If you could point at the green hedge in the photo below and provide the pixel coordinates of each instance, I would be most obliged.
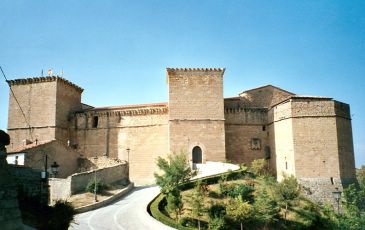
(158, 204)
(155, 208)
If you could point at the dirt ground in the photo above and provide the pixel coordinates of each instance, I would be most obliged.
(86, 198)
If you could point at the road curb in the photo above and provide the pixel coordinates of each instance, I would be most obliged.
(105, 202)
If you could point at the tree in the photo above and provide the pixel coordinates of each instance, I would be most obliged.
(216, 213)
(197, 201)
(174, 203)
(266, 209)
(259, 167)
(287, 191)
(176, 170)
(240, 211)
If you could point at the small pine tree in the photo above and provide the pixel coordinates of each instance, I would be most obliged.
(240, 211)
(175, 169)
(174, 203)
(287, 191)
(197, 201)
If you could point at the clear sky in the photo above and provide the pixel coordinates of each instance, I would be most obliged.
(118, 50)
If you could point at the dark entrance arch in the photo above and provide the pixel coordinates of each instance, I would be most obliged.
(197, 155)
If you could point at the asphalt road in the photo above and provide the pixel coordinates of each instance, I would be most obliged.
(129, 213)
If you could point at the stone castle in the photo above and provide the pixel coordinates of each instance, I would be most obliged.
(306, 136)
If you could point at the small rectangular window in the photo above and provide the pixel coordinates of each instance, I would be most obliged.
(264, 128)
(95, 121)
(255, 144)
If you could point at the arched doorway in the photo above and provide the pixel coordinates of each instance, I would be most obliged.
(197, 155)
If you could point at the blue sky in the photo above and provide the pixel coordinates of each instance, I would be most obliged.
(118, 50)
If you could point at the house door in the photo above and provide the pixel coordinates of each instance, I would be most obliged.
(197, 155)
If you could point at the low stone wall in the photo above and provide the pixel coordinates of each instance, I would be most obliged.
(28, 181)
(106, 201)
(320, 189)
(61, 189)
(106, 175)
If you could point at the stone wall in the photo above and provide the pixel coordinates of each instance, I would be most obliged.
(65, 156)
(208, 135)
(28, 181)
(195, 94)
(46, 103)
(284, 145)
(10, 216)
(59, 189)
(196, 112)
(146, 135)
(64, 188)
(320, 189)
(263, 97)
(38, 104)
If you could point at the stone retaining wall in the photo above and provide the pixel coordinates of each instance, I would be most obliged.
(61, 189)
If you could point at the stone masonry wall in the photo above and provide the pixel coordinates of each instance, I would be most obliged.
(38, 104)
(284, 145)
(65, 156)
(263, 97)
(68, 101)
(145, 135)
(195, 94)
(208, 135)
(242, 126)
(46, 103)
(196, 112)
(106, 175)
(62, 189)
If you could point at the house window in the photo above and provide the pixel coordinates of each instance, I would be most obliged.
(264, 128)
(255, 144)
(95, 121)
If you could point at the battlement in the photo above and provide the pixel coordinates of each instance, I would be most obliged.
(34, 80)
(128, 110)
(172, 70)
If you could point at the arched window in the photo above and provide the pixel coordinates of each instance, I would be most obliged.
(197, 155)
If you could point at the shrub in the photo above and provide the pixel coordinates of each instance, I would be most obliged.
(91, 186)
(259, 167)
(238, 191)
(62, 215)
(217, 223)
(216, 210)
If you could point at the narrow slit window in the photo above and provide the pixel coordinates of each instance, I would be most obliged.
(286, 165)
(95, 121)
(332, 181)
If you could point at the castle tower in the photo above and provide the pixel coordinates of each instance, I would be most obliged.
(313, 141)
(45, 103)
(196, 113)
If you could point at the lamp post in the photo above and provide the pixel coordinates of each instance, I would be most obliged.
(337, 196)
(128, 150)
(95, 197)
(44, 177)
(54, 168)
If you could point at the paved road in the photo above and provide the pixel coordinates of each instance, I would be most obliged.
(129, 213)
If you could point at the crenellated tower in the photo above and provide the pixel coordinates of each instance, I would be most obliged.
(45, 106)
(196, 113)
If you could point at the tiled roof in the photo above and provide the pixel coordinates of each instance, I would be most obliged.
(29, 146)
(266, 86)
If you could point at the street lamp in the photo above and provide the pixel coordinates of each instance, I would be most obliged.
(128, 150)
(337, 196)
(54, 168)
(95, 197)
